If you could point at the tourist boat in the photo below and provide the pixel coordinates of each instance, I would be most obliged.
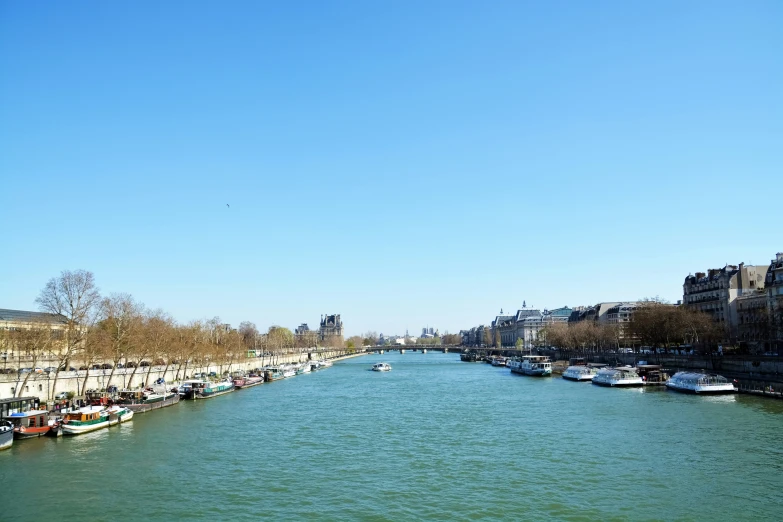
(208, 389)
(381, 367)
(6, 434)
(700, 383)
(623, 376)
(33, 423)
(247, 381)
(534, 365)
(582, 372)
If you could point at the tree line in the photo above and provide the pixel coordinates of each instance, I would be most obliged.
(104, 332)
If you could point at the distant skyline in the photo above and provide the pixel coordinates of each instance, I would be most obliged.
(405, 164)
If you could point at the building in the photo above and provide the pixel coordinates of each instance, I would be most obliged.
(715, 293)
(621, 315)
(773, 285)
(15, 320)
(753, 325)
(331, 327)
(429, 333)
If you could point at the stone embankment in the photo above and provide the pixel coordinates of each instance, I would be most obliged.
(42, 385)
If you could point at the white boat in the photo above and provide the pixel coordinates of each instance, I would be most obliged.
(499, 361)
(700, 383)
(325, 363)
(92, 418)
(424, 350)
(623, 376)
(6, 434)
(535, 365)
(402, 350)
(582, 372)
(381, 367)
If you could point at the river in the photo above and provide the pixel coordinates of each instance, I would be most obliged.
(434, 439)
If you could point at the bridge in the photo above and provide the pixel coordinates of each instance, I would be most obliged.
(410, 348)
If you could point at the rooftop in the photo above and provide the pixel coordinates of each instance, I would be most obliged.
(22, 316)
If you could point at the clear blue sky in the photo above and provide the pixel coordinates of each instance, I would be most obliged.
(401, 163)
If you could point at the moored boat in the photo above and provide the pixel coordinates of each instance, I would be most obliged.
(6, 434)
(208, 389)
(85, 420)
(534, 365)
(381, 367)
(247, 381)
(700, 383)
(272, 373)
(582, 372)
(621, 377)
(31, 424)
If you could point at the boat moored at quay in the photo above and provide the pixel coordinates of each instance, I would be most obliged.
(242, 381)
(92, 418)
(6, 434)
(583, 372)
(621, 377)
(32, 424)
(200, 389)
(700, 383)
(533, 365)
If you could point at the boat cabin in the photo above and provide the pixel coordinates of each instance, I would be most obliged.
(29, 419)
(90, 413)
(17, 405)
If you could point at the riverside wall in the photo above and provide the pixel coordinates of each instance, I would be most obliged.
(42, 385)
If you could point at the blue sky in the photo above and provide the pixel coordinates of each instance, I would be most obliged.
(401, 163)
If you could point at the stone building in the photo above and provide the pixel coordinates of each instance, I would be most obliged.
(715, 293)
(331, 327)
(14, 320)
(774, 290)
(753, 327)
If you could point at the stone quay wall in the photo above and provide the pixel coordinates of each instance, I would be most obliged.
(42, 385)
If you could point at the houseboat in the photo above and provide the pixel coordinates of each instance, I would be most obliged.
(33, 423)
(621, 377)
(6, 434)
(92, 418)
(242, 381)
(499, 361)
(582, 372)
(381, 367)
(700, 383)
(272, 373)
(207, 389)
(535, 365)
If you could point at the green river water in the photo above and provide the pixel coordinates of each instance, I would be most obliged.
(434, 439)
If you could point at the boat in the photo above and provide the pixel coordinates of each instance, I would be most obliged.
(652, 374)
(402, 350)
(242, 381)
(700, 383)
(208, 389)
(33, 423)
(381, 367)
(140, 401)
(6, 434)
(287, 370)
(424, 350)
(499, 361)
(623, 376)
(582, 372)
(534, 365)
(92, 418)
(325, 363)
(272, 373)
(306, 367)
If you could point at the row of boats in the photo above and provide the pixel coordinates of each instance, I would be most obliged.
(113, 407)
(701, 383)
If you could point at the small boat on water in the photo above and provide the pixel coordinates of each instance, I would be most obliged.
(533, 365)
(499, 361)
(242, 381)
(92, 418)
(381, 367)
(288, 370)
(581, 372)
(33, 423)
(424, 350)
(6, 434)
(700, 383)
(620, 377)
(199, 389)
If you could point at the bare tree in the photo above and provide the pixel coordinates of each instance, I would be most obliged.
(121, 318)
(74, 296)
(34, 342)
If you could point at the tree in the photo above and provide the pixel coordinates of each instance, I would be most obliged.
(157, 337)
(34, 342)
(121, 318)
(74, 296)
(487, 337)
(353, 343)
(498, 342)
(519, 344)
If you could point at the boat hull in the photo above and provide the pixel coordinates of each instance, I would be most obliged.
(618, 384)
(209, 395)
(703, 390)
(71, 429)
(31, 433)
(578, 379)
(6, 439)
